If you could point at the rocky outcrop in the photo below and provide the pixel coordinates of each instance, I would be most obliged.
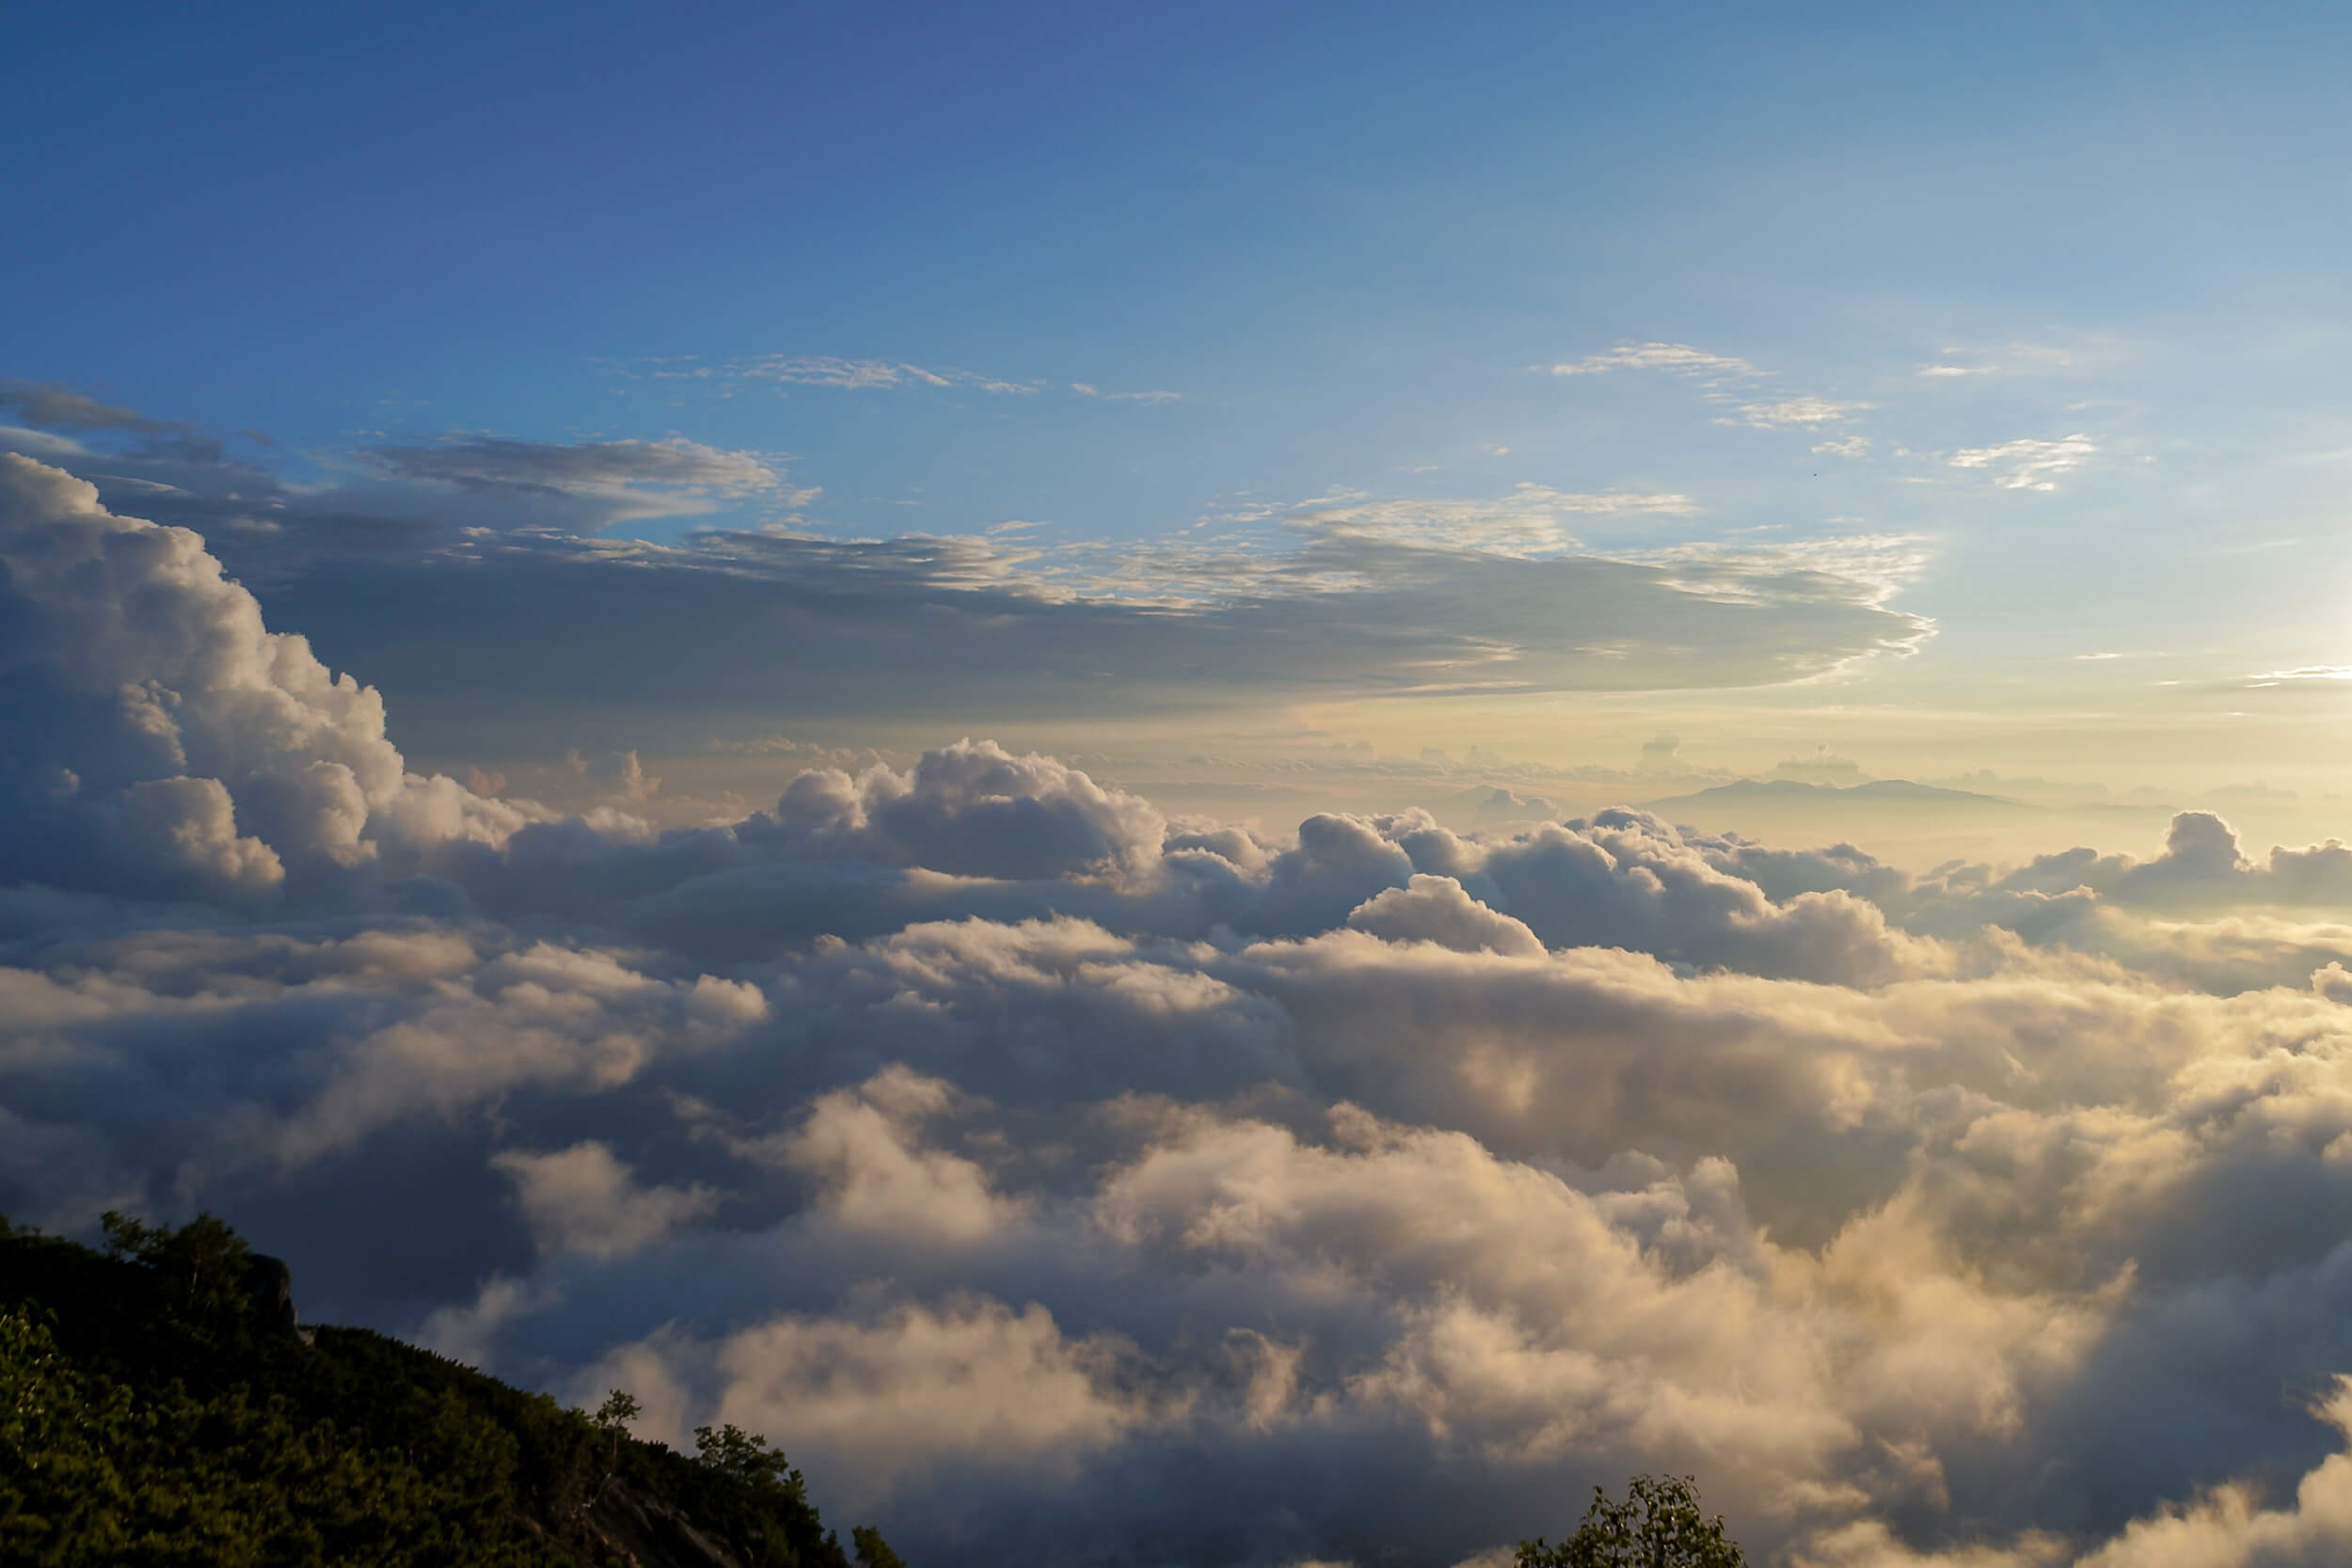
(271, 1288)
(641, 1528)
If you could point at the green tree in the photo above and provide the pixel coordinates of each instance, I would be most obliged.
(746, 1456)
(872, 1551)
(1659, 1525)
(206, 1265)
(619, 1408)
(613, 1416)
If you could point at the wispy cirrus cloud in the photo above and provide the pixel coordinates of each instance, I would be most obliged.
(820, 370)
(1086, 390)
(1864, 568)
(1800, 411)
(2016, 358)
(2027, 463)
(53, 407)
(396, 492)
(856, 374)
(1679, 358)
(59, 407)
(1528, 521)
(1725, 377)
(590, 485)
(591, 467)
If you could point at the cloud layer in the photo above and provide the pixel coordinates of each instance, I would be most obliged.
(508, 550)
(1054, 1179)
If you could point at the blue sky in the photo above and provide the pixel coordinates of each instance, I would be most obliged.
(1155, 276)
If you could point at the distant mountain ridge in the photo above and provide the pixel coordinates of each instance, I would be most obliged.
(1797, 792)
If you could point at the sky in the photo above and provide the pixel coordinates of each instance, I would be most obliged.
(1226, 784)
(2021, 327)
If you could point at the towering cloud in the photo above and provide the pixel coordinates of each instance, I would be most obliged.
(160, 739)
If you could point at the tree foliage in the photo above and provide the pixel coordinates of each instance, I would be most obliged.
(747, 1458)
(150, 1416)
(872, 1551)
(1657, 1525)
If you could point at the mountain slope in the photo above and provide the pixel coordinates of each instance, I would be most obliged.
(157, 1406)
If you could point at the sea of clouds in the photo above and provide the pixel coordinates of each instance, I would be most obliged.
(1060, 1182)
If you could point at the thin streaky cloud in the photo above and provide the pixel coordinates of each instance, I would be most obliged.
(1679, 358)
(1873, 568)
(57, 407)
(824, 370)
(1527, 522)
(873, 374)
(1086, 390)
(41, 443)
(1798, 411)
(53, 407)
(596, 467)
(1717, 372)
(2027, 463)
(2012, 359)
(827, 371)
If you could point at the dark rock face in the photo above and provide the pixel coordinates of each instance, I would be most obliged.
(272, 1291)
(642, 1529)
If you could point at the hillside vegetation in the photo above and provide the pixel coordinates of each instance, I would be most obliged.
(158, 1405)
